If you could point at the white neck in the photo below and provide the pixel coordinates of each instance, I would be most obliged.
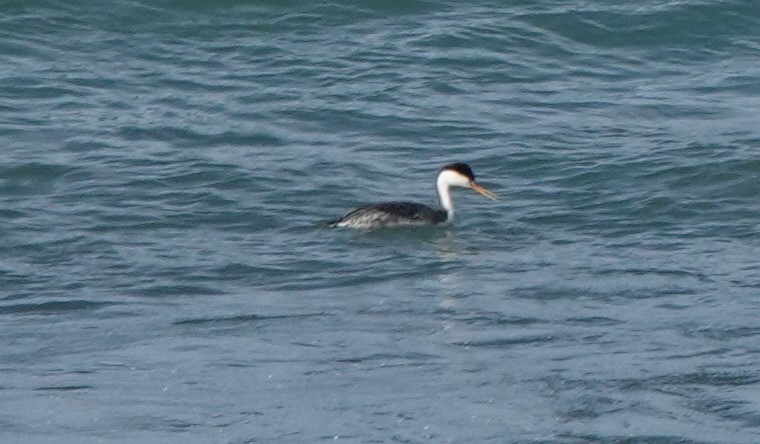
(443, 185)
(444, 195)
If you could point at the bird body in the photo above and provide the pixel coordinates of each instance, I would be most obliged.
(395, 214)
(391, 214)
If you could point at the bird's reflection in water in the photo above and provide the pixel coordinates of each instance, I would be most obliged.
(450, 249)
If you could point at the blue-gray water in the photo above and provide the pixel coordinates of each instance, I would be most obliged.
(165, 168)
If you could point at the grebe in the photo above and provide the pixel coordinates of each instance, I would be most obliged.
(394, 214)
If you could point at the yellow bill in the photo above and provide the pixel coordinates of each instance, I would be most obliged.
(478, 189)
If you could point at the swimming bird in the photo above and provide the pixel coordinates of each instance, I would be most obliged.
(394, 214)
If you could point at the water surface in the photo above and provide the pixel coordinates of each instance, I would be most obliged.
(166, 168)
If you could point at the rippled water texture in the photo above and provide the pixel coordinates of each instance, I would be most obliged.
(166, 168)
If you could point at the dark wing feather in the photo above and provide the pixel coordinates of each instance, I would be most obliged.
(389, 214)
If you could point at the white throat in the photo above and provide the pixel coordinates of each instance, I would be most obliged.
(447, 179)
